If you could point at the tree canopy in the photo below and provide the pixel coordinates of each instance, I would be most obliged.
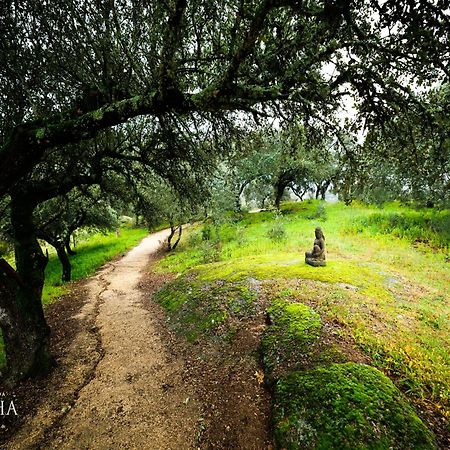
(70, 69)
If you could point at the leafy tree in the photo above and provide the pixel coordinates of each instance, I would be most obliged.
(57, 219)
(285, 159)
(187, 65)
(249, 162)
(405, 158)
(160, 204)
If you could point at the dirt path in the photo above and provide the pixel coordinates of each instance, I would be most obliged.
(129, 391)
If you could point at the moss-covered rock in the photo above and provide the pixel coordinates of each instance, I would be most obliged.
(289, 341)
(345, 406)
(195, 308)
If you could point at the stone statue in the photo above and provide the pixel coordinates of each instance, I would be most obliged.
(316, 258)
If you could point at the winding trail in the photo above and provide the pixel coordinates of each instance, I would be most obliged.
(133, 396)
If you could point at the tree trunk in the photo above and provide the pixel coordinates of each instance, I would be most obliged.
(171, 235)
(324, 188)
(279, 191)
(65, 262)
(68, 248)
(263, 202)
(238, 196)
(317, 191)
(237, 203)
(26, 334)
(180, 230)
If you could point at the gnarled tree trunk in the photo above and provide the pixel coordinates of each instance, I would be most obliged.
(25, 331)
(173, 230)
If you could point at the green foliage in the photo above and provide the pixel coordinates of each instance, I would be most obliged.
(320, 213)
(5, 248)
(277, 232)
(345, 406)
(210, 251)
(406, 158)
(240, 235)
(430, 227)
(273, 161)
(207, 232)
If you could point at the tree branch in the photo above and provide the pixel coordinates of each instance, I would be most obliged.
(172, 43)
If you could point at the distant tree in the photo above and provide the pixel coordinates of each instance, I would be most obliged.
(57, 219)
(406, 158)
(250, 162)
(160, 205)
(286, 159)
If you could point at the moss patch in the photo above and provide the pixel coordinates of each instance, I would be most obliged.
(345, 406)
(290, 340)
(40, 133)
(196, 308)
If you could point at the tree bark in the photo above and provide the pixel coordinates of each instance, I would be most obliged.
(279, 191)
(65, 262)
(173, 230)
(68, 248)
(238, 195)
(324, 188)
(26, 334)
(180, 230)
(318, 191)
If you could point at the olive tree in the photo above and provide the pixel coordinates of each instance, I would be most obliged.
(91, 66)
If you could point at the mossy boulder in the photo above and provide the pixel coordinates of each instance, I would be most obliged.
(345, 406)
(196, 308)
(289, 341)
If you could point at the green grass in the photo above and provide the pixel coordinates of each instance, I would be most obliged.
(427, 227)
(92, 253)
(389, 289)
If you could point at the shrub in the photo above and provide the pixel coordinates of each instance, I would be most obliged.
(194, 238)
(277, 232)
(207, 232)
(240, 235)
(319, 213)
(429, 227)
(210, 251)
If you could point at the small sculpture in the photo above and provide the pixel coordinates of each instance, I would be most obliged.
(316, 258)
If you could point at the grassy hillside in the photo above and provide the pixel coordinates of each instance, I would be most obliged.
(385, 287)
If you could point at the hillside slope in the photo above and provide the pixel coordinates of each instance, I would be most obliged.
(375, 318)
